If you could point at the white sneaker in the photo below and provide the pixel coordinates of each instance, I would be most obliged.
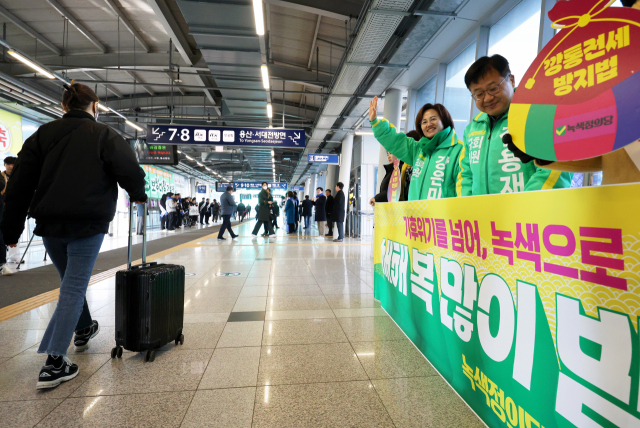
(254, 235)
(272, 234)
(6, 270)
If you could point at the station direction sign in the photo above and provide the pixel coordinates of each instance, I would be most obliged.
(208, 135)
(326, 159)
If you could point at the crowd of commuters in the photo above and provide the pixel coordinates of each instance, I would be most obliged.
(176, 212)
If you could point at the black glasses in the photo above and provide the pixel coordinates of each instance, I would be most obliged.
(493, 90)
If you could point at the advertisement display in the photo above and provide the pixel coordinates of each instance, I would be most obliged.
(155, 154)
(529, 313)
(326, 159)
(10, 134)
(208, 135)
(157, 182)
(222, 187)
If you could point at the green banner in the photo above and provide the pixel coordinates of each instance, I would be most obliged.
(157, 182)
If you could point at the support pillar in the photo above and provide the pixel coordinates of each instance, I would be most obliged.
(392, 112)
(344, 173)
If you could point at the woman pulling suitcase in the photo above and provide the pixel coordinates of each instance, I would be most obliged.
(70, 159)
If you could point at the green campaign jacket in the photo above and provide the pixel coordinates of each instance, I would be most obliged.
(435, 162)
(488, 166)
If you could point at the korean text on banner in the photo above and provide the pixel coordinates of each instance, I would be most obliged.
(527, 303)
(10, 134)
(157, 182)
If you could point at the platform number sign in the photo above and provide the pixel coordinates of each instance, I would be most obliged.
(202, 135)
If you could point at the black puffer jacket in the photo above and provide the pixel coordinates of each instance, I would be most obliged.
(70, 187)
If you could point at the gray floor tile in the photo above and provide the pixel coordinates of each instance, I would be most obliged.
(248, 304)
(292, 280)
(309, 363)
(295, 303)
(302, 331)
(257, 281)
(197, 336)
(424, 402)
(254, 291)
(206, 317)
(222, 408)
(238, 334)
(358, 287)
(32, 324)
(139, 410)
(246, 316)
(294, 290)
(195, 305)
(292, 315)
(319, 405)
(360, 312)
(171, 371)
(391, 359)
(367, 329)
(18, 414)
(12, 342)
(232, 368)
(347, 301)
(19, 376)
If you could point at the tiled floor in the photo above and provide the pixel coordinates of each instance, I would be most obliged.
(278, 334)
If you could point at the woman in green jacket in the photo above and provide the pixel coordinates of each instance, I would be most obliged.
(434, 158)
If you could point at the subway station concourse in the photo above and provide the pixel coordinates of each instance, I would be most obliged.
(375, 301)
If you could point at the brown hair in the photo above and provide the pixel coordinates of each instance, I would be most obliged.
(444, 114)
(290, 194)
(78, 96)
(415, 134)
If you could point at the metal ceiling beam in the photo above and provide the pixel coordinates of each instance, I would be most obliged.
(136, 78)
(315, 7)
(94, 78)
(27, 29)
(170, 25)
(65, 13)
(313, 44)
(118, 12)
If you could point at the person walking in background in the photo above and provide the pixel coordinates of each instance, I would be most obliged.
(297, 202)
(202, 209)
(320, 202)
(163, 212)
(46, 182)
(171, 212)
(214, 211)
(248, 210)
(257, 210)
(290, 212)
(241, 211)
(227, 205)
(4, 181)
(207, 212)
(276, 213)
(140, 222)
(307, 211)
(339, 207)
(264, 212)
(329, 210)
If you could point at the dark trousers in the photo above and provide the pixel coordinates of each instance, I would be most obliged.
(330, 226)
(171, 220)
(226, 224)
(206, 218)
(163, 222)
(267, 227)
(275, 222)
(3, 249)
(340, 226)
(202, 217)
(291, 227)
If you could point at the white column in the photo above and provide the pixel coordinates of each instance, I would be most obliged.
(345, 172)
(392, 112)
(312, 188)
(331, 179)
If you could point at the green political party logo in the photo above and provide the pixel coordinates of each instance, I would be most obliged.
(561, 130)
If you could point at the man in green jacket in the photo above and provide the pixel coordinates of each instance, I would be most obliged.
(487, 165)
(434, 158)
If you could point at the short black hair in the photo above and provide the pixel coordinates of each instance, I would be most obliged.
(264, 182)
(328, 190)
(229, 188)
(10, 160)
(484, 65)
(306, 196)
(320, 188)
(340, 184)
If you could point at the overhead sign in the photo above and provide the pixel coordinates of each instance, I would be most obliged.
(328, 159)
(222, 187)
(155, 154)
(205, 135)
(202, 188)
(581, 95)
(297, 188)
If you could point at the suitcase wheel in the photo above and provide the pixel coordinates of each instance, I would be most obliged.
(116, 352)
(150, 356)
(180, 339)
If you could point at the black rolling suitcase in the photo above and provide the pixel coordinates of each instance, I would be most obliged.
(149, 303)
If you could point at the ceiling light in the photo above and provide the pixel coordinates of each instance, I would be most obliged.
(199, 164)
(31, 64)
(103, 107)
(134, 126)
(269, 111)
(188, 157)
(179, 151)
(272, 153)
(265, 76)
(364, 133)
(257, 14)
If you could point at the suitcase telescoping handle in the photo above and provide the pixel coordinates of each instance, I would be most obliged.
(144, 235)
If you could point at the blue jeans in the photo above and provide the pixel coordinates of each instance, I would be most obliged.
(74, 259)
(307, 221)
(340, 225)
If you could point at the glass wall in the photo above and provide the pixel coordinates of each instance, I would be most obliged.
(515, 36)
(426, 94)
(457, 98)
